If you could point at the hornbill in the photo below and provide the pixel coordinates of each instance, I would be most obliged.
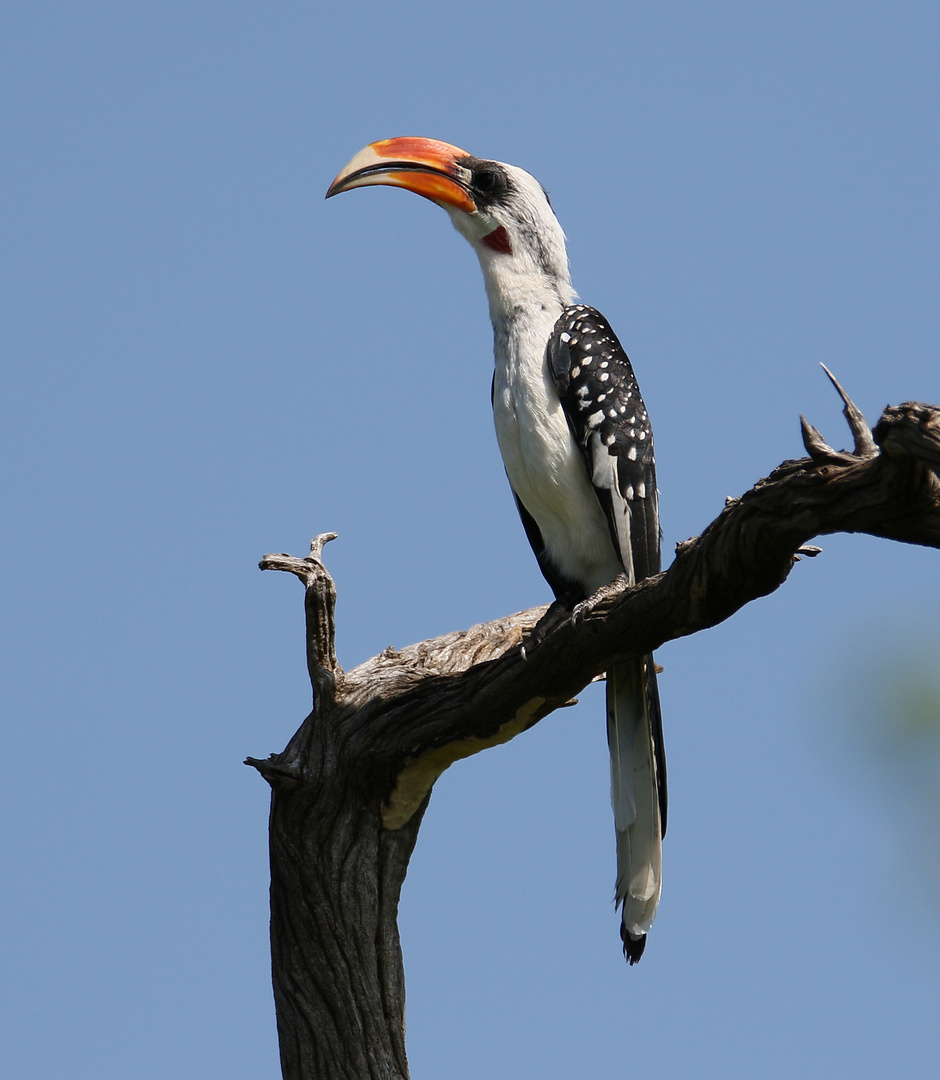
(577, 446)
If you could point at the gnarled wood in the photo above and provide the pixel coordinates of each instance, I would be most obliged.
(349, 791)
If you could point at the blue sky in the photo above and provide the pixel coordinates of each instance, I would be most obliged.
(204, 361)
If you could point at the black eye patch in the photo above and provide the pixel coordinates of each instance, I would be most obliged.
(484, 180)
(489, 183)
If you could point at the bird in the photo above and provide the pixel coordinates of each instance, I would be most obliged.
(577, 446)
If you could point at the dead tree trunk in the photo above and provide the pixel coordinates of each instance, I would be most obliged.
(349, 791)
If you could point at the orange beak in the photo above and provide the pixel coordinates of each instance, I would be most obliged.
(425, 166)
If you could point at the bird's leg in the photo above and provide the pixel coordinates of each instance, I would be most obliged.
(557, 614)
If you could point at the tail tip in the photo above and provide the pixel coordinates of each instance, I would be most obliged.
(632, 946)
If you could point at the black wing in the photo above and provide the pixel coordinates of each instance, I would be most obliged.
(606, 414)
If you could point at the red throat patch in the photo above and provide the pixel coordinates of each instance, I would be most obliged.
(498, 240)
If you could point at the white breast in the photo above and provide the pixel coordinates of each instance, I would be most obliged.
(545, 467)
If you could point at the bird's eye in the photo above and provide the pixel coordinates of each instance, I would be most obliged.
(484, 181)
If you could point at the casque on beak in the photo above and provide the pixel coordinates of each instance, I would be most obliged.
(425, 166)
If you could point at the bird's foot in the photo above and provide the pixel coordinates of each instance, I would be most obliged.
(581, 611)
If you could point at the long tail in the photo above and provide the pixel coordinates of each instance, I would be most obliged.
(637, 794)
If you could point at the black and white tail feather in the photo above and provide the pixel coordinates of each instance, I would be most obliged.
(637, 794)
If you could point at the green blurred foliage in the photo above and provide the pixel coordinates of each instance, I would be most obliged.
(885, 697)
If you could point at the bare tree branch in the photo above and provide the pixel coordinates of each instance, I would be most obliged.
(349, 791)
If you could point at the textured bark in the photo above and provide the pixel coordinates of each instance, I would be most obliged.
(349, 791)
